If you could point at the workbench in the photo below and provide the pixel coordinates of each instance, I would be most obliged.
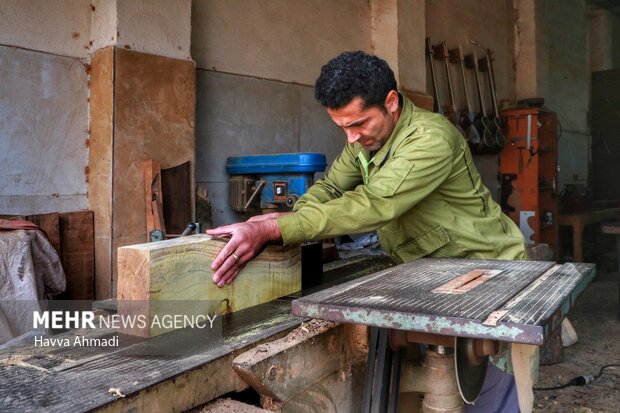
(579, 221)
(76, 379)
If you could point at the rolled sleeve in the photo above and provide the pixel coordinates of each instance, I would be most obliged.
(290, 229)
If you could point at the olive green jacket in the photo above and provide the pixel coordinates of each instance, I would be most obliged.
(421, 192)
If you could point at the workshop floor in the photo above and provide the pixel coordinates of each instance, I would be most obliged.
(595, 318)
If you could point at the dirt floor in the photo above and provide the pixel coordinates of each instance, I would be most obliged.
(595, 318)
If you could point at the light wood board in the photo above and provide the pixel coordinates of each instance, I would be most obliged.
(179, 270)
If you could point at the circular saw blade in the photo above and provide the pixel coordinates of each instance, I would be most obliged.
(470, 370)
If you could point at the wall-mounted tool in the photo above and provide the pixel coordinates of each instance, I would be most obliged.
(271, 181)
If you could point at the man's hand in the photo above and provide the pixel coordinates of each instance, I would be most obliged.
(247, 240)
(271, 215)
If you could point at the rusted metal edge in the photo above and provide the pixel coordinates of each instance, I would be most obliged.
(451, 326)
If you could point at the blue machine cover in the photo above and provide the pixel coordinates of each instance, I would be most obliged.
(279, 163)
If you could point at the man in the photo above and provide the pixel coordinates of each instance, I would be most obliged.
(404, 172)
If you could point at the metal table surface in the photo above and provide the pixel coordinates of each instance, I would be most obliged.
(515, 301)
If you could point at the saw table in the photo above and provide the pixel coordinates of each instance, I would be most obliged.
(435, 301)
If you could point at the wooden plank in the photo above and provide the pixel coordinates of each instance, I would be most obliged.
(150, 383)
(78, 254)
(177, 197)
(100, 165)
(50, 223)
(179, 269)
(420, 99)
(153, 197)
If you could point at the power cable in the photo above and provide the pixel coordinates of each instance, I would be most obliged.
(578, 381)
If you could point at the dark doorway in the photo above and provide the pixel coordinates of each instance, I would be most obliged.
(605, 127)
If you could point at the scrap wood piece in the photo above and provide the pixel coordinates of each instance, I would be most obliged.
(153, 193)
(116, 392)
(179, 269)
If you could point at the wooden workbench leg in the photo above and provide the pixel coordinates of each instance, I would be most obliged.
(577, 242)
(525, 367)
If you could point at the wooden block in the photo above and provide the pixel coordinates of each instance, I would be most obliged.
(180, 269)
(77, 240)
(420, 99)
(272, 369)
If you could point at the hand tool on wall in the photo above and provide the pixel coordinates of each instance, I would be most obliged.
(467, 115)
(481, 122)
(485, 65)
(429, 52)
(440, 52)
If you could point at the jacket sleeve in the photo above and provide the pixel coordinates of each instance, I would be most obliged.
(343, 175)
(416, 169)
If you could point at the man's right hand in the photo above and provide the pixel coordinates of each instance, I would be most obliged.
(247, 240)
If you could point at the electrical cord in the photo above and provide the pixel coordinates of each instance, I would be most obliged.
(578, 381)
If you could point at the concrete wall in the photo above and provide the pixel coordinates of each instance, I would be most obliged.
(411, 60)
(257, 62)
(43, 105)
(604, 40)
(285, 40)
(45, 50)
(160, 27)
(60, 27)
(565, 84)
(476, 25)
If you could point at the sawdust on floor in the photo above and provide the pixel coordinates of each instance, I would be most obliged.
(595, 318)
(230, 406)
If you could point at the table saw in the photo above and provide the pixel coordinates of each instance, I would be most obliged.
(461, 308)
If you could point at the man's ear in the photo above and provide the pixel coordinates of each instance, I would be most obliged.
(391, 101)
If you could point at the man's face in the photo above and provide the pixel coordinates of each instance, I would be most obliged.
(372, 126)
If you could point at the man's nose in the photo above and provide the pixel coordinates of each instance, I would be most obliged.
(352, 136)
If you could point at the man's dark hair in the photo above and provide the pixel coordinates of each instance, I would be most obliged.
(353, 74)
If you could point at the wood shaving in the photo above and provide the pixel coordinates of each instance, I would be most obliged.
(115, 391)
